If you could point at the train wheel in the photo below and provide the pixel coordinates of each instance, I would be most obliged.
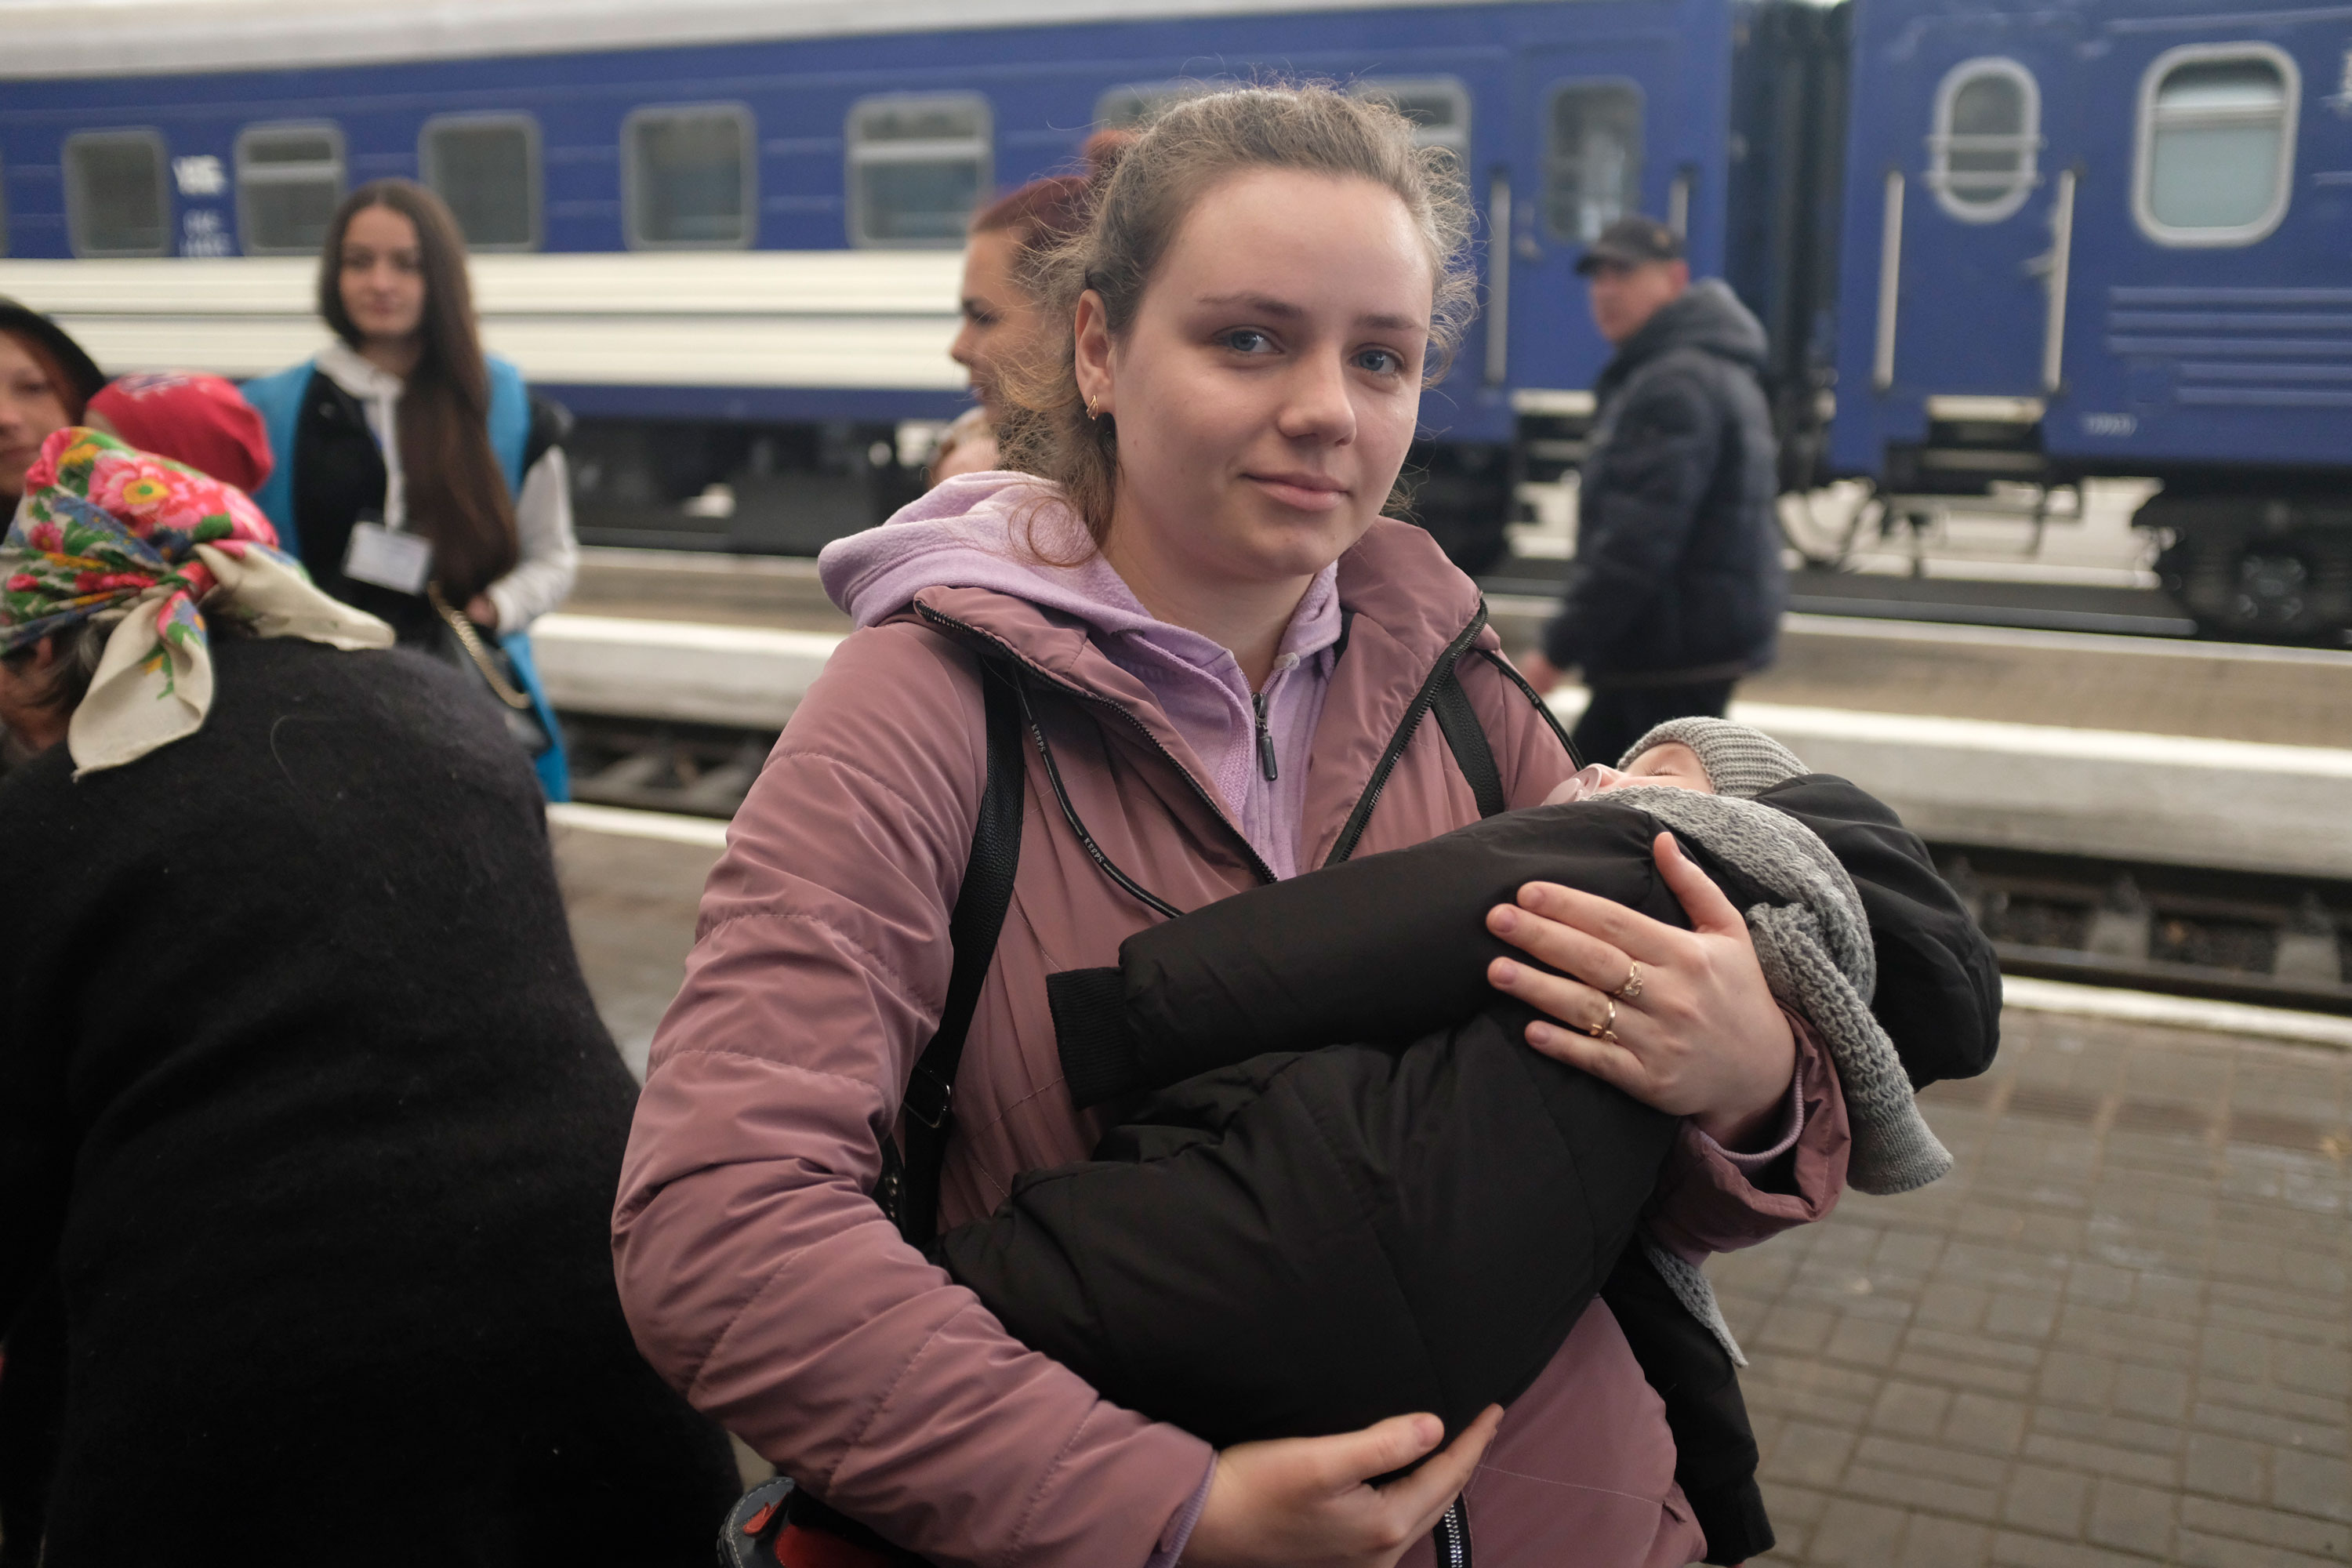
(2279, 588)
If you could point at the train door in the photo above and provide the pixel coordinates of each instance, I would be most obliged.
(1586, 145)
(1976, 211)
(2211, 343)
(2214, 320)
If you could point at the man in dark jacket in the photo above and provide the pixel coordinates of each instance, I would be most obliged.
(1677, 586)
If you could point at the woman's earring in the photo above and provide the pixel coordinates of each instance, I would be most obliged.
(1092, 411)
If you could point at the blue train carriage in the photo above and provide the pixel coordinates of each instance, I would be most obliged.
(726, 231)
(2113, 238)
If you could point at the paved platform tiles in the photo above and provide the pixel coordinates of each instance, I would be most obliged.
(2119, 1334)
(632, 903)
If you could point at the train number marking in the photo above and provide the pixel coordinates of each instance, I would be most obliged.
(2109, 424)
(201, 175)
(202, 233)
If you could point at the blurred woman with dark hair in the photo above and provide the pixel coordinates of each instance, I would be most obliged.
(45, 382)
(416, 478)
(1000, 307)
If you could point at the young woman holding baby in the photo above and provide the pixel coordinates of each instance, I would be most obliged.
(1225, 641)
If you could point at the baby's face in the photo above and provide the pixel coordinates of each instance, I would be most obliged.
(1673, 765)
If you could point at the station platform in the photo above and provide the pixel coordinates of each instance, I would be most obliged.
(2232, 757)
(2118, 1334)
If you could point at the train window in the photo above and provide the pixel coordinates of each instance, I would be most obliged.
(1593, 158)
(486, 166)
(917, 166)
(289, 180)
(1986, 139)
(1438, 106)
(2216, 156)
(689, 177)
(115, 200)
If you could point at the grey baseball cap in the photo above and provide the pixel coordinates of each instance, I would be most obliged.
(1631, 241)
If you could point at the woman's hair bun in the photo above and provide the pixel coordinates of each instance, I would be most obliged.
(1048, 212)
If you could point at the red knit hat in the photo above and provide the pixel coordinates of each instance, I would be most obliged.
(192, 418)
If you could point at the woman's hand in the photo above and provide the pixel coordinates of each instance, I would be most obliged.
(1309, 1502)
(1702, 1037)
(483, 612)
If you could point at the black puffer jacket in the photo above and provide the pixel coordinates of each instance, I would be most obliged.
(1677, 574)
(1281, 1240)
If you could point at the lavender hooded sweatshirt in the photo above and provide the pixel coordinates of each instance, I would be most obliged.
(988, 530)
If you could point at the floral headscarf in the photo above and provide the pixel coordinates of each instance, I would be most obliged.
(105, 531)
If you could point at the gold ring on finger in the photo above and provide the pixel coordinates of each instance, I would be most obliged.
(1633, 986)
(1607, 1028)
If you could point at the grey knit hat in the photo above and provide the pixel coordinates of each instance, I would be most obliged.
(1740, 761)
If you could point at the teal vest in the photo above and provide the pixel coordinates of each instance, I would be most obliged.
(278, 399)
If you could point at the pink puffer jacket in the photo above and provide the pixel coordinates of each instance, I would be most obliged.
(762, 1280)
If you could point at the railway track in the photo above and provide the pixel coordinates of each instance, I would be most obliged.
(2269, 940)
(2232, 936)
(698, 770)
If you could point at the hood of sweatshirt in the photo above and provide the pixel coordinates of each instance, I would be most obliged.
(1004, 533)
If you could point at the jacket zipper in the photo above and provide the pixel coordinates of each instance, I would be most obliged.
(1452, 1537)
(1349, 835)
(1352, 834)
(1258, 865)
(1264, 738)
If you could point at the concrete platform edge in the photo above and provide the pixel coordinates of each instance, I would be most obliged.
(2236, 1018)
(672, 826)
(2111, 793)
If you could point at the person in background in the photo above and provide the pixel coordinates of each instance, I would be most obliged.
(309, 1128)
(190, 418)
(1677, 586)
(1001, 317)
(417, 478)
(46, 381)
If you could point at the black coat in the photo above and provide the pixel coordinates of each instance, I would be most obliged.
(304, 1100)
(1283, 1240)
(1677, 576)
(340, 477)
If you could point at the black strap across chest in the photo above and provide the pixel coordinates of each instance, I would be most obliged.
(1458, 720)
(1466, 738)
(908, 1190)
